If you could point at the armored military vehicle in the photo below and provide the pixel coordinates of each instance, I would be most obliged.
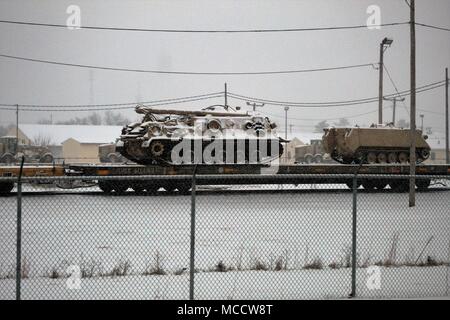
(108, 154)
(209, 136)
(377, 144)
(311, 153)
(11, 152)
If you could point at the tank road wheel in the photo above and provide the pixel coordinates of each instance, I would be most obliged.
(7, 158)
(423, 155)
(382, 157)
(318, 158)
(392, 157)
(371, 158)
(113, 158)
(105, 186)
(309, 158)
(403, 157)
(46, 158)
(157, 149)
(423, 184)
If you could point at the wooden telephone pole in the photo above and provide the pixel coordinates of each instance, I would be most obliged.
(447, 153)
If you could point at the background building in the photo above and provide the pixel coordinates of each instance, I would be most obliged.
(69, 143)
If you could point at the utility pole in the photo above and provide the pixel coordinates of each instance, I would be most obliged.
(17, 128)
(421, 118)
(412, 152)
(380, 86)
(447, 153)
(226, 95)
(394, 107)
(384, 44)
(254, 105)
(286, 109)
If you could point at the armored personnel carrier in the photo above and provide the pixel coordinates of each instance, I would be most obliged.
(11, 152)
(215, 135)
(377, 144)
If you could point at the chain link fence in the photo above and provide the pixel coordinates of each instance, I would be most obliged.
(130, 238)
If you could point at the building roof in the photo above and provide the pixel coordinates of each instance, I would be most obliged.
(304, 137)
(81, 133)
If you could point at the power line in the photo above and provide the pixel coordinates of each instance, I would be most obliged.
(329, 119)
(395, 87)
(184, 99)
(123, 106)
(432, 27)
(37, 24)
(185, 72)
(104, 109)
(428, 87)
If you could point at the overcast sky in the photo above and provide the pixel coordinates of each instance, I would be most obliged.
(34, 83)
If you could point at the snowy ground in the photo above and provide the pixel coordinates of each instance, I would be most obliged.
(239, 230)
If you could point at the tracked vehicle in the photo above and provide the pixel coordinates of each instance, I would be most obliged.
(377, 144)
(208, 136)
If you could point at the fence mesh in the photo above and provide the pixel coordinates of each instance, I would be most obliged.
(252, 241)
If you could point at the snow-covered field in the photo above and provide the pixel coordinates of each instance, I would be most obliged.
(244, 232)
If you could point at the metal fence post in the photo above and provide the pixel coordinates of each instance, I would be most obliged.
(19, 233)
(192, 257)
(354, 229)
(354, 224)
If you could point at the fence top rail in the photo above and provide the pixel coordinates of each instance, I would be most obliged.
(225, 177)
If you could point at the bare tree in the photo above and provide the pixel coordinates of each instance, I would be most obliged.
(115, 119)
(343, 122)
(321, 125)
(41, 140)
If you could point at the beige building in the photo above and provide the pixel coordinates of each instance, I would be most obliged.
(75, 151)
(437, 144)
(296, 138)
(69, 143)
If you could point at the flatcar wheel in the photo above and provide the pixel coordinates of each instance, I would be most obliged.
(369, 185)
(392, 157)
(400, 186)
(151, 189)
(105, 186)
(380, 185)
(120, 187)
(372, 158)
(184, 188)
(403, 157)
(423, 184)
(350, 185)
(138, 188)
(6, 187)
(170, 188)
(382, 157)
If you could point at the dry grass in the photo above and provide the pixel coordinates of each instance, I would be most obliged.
(316, 264)
(156, 267)
(121, 269)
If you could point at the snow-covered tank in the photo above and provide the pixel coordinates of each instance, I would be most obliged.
(377, 144)
(207, 136)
